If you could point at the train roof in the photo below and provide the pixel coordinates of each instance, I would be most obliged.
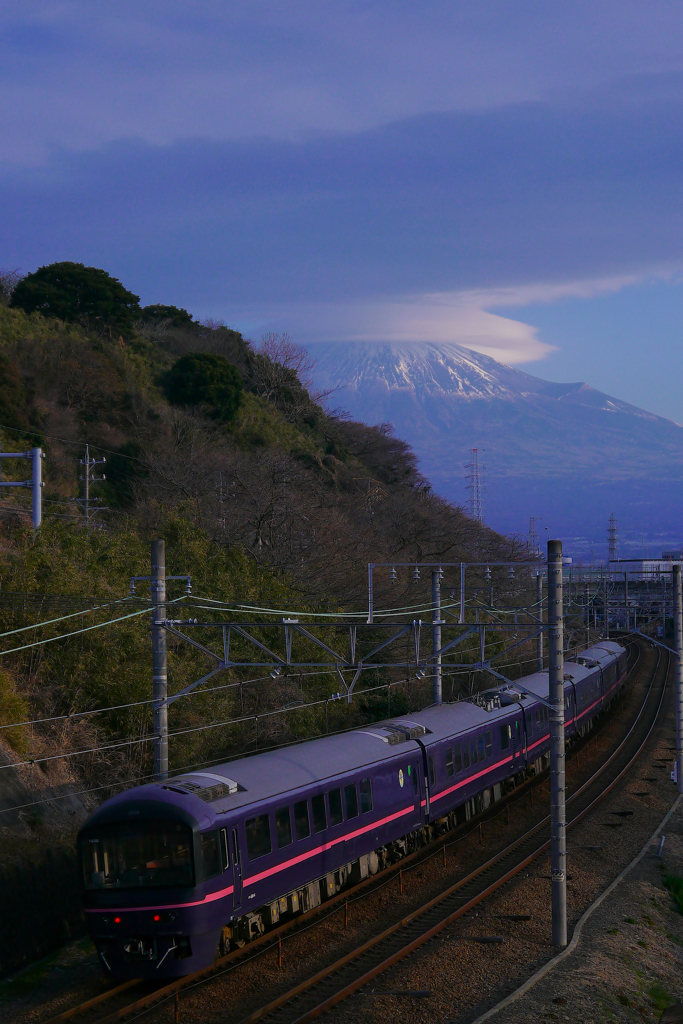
(225, 788)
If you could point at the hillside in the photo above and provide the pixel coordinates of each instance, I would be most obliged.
(563, 452)
(283, 507)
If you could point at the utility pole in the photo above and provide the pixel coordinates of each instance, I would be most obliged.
(89, 465)
(539, 604)
(678, 630)
(159, 665)
(558, 823)
(436, 635)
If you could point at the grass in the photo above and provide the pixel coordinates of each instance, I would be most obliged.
(25, 982)
(674, 883)
(659, 996)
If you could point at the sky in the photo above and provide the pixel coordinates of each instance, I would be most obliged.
(505, 174)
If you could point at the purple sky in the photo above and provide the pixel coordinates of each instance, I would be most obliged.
(503, 174)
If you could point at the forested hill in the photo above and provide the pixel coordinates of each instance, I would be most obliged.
(193, 420)
(262, 495)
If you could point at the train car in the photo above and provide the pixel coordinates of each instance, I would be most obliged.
(175, 872)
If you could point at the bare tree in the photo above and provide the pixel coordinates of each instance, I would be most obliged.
(282, 351)
(9, 279)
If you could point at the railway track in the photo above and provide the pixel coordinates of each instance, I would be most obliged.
(330, 986)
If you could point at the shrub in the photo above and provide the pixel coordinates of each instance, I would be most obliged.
(172, 315)
(675, 886)
(208, 380)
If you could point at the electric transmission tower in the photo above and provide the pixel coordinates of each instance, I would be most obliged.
(476, 479)
(612, 534)
(534, 548)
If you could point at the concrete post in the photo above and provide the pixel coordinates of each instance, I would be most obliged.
(37, 486)
(678, 631)
(539, 605)
(558, 838)
(159, 666)
(437, 692)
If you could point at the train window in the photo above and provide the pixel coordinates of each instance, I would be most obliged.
(283, 827)
(319, 813)
(473, 750)
(365, 795)
(457, 759)
(258, 836)
(432, 780)
(465, 756)
(211, 854)
(131, 855)
(336, 816)
(505, 736)
(480, 747)
(538, 718)
(351, 801)
(489, 744)
(449, 762)
(301, 822)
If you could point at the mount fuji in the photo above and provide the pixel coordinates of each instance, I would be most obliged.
(566, 453)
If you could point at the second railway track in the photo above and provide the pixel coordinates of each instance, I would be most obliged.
(330, 986)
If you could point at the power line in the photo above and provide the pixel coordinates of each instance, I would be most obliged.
(87, 629)
(72, 615)
(66, 440)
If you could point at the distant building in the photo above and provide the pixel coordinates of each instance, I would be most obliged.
(647, 568)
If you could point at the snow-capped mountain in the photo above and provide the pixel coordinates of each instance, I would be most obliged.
(564, 452)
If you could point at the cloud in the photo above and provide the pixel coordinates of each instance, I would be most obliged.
(421, 226)
(446, 318)
(81, 75)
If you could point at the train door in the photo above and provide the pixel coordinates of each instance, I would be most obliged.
(416, 791)
(236, 870)
(517, 741)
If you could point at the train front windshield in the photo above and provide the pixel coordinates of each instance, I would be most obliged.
(137, 855)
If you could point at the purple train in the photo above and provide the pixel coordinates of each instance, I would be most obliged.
(175, 873)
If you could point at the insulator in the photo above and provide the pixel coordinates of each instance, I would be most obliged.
(487, 573)
(452, 595)
(439, 573)
(416, 574)
(511, 573)
(393, 575)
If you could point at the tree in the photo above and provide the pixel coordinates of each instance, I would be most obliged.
(9, 279)
(206, 379)
(78, 294)
(171, 316)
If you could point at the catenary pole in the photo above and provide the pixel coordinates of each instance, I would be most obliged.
(437, 693)
(539, 604)
(558, 838)
(159, 666)
(678, 630)
(37, 483)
